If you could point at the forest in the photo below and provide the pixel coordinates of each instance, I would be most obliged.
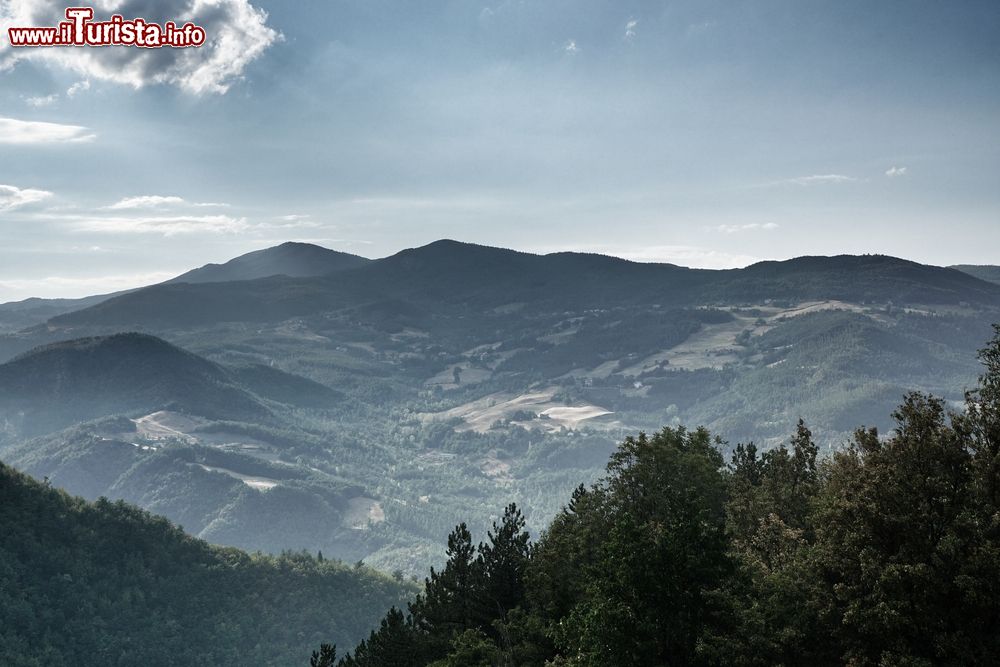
(885, 553)
(107, 584)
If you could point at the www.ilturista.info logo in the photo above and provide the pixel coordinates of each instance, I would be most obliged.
(81, 30)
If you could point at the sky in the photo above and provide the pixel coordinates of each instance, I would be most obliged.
(707, 133)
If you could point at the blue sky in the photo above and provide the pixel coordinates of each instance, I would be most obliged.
(697, 132)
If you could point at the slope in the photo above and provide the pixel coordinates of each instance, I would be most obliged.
(62, 383)
(109, 584)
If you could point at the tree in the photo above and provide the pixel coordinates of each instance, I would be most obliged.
(894, 534)
(663, 553)
(502, 561)
(325, 657)
(448, 605)
(396, 643)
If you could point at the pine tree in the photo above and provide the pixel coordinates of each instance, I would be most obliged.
(325, 657)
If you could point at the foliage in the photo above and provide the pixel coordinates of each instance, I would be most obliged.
(109, 584)
(887, 553)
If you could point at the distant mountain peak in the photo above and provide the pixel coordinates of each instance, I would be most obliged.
(292, 258)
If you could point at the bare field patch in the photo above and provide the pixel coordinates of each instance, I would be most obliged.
(363, 512)
(258, 483)
(549, 414)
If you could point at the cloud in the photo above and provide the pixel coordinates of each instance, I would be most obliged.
(12, 197)
(14, 131)
(145, 201)
(630, 27)
(894, 171)
(237, 34)
(295, 217)
(820, 179)
(36, 102)
(164, 225)
(749, 227)
(571, 47)
(78, 88)
(157, 201)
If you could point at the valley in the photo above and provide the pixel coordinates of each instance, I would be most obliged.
(365, 409)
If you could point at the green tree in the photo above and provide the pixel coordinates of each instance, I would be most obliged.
(325, 657)
(648, 599)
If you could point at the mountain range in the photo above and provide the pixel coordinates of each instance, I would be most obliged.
(302, 397)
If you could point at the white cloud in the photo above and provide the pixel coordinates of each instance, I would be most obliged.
(895, 171)
(571, 47)
(821, 179)
(157, 201)
(294, 217)
(749, 227)
(14, 131)
(12, 197)
(144, 201)
(78, 88)
(36, 102)
(164, 225)
(237, 33)
(630, 27)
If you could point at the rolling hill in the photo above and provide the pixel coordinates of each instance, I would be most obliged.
(78, 380)
(62, 383)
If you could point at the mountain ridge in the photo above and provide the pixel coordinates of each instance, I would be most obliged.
(482, 277)
(292, 259)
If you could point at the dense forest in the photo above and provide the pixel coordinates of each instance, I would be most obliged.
(886, 553)
(109, 584)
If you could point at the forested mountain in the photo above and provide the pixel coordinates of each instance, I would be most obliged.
(458, 276)
(103, 584)
(63, 383)
(888, 552)
(296, 260)
(383, 400)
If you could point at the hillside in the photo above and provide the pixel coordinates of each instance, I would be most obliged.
(58, 384)
(295, 260)
(104, 584)
(52, 386)
(683, 555)
(983, 271)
